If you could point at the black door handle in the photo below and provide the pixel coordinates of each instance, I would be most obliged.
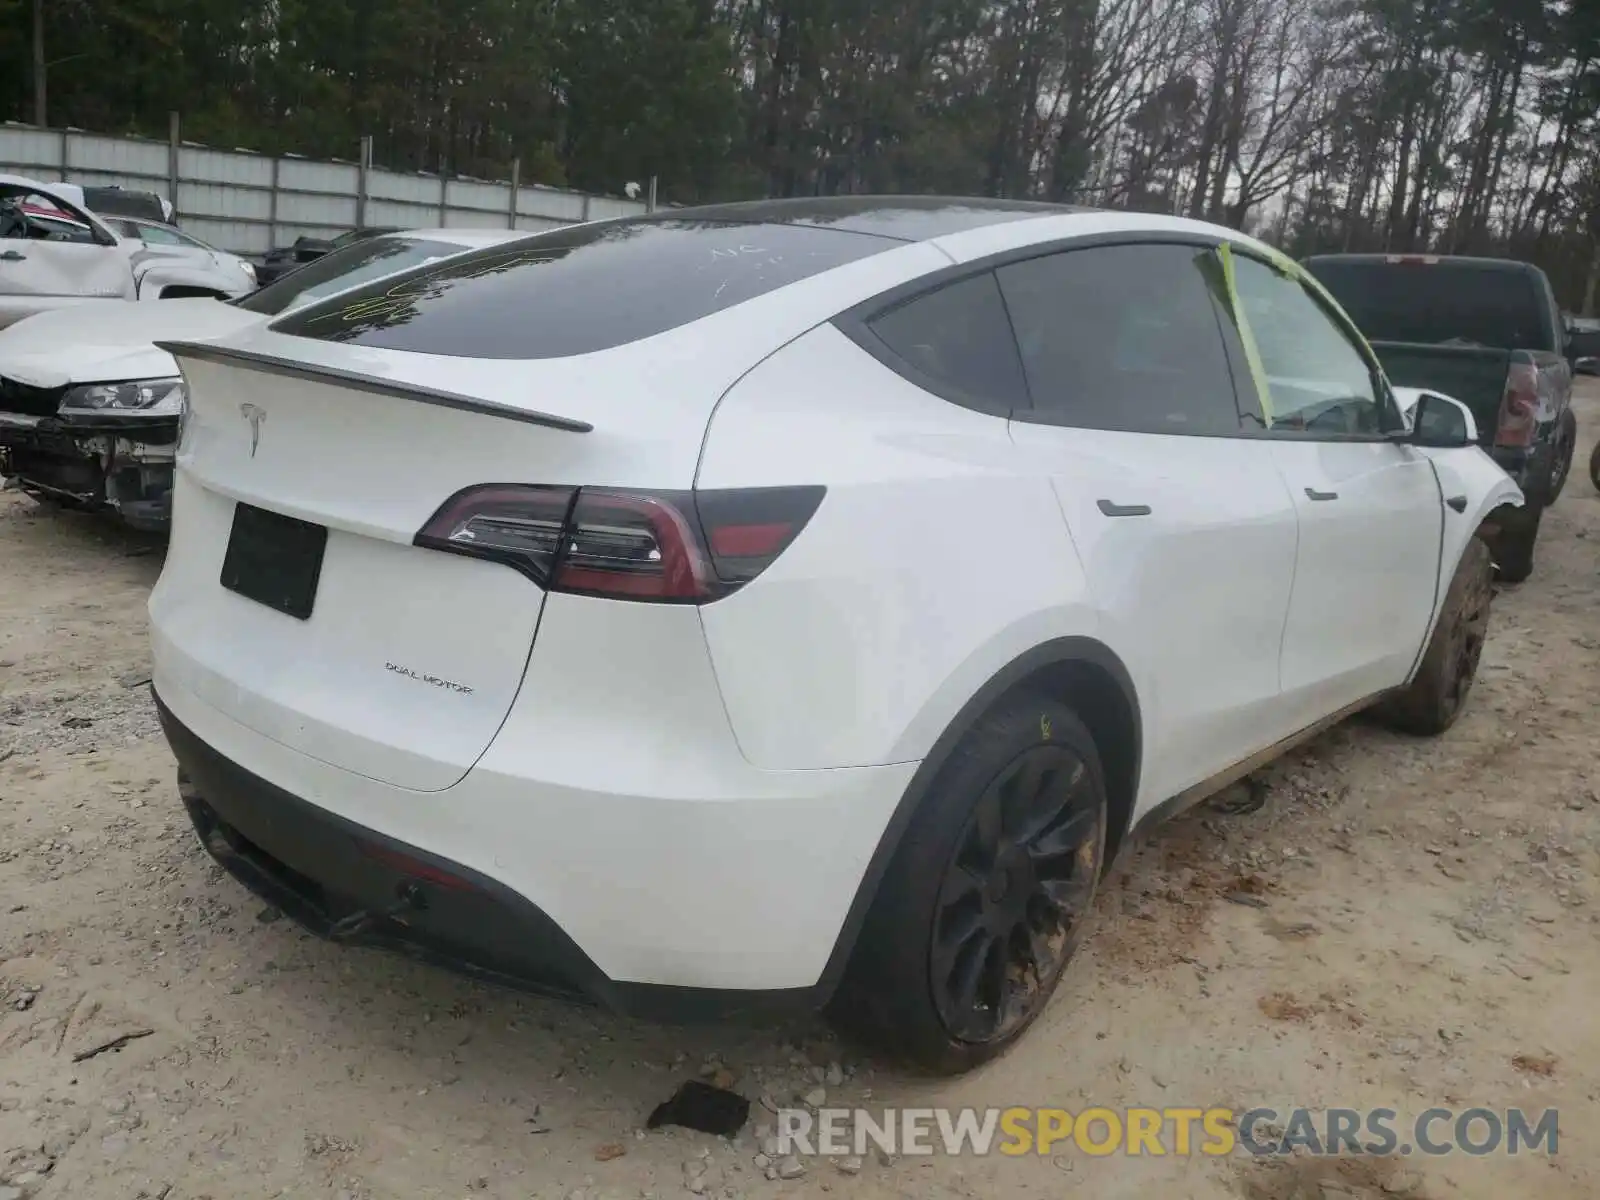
(1313, 494)
(13, 256)
(1459, 503)
(1123, 510)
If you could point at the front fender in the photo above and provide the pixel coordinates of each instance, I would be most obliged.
(156, 272)
(1471, 478)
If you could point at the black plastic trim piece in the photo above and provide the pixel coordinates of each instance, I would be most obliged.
(1052, 653)
(132, 425)
(318, 836)
(1112, 509)
(272, 364)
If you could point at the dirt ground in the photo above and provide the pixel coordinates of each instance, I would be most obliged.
(1413, 924)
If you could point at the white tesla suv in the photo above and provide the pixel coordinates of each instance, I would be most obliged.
(795, 602)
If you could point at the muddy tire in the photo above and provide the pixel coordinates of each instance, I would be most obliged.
(984, 901)
(1513, 546)
(1566, 447)
(1594, 466)
(1435, 698)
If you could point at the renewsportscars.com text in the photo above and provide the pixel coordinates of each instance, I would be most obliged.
(1179, 1132)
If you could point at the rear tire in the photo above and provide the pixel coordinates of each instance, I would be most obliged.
(1566, 447)
(985, 898)
(1433, 700)
(1594, 466)
(1513, 547)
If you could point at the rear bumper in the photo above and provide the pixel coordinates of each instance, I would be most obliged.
(344, 882)
(1531, 468)
(641, 909)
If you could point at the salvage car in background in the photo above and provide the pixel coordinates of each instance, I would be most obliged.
(280, 260)
(118, 202)
(163, 239)
(90, 408)
(1583, 344)
(54, 253)
(1487, 332)
(795, 602)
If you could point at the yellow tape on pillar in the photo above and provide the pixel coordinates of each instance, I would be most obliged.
(1251, 353)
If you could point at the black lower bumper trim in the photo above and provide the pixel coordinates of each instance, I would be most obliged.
(342, 881)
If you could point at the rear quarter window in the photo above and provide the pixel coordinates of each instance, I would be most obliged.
(578, 290)
(956, 341)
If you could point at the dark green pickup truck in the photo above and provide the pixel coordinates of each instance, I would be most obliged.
(1489, 333)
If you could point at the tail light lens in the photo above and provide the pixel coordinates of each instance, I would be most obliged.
(672, 547)
(1519, 411)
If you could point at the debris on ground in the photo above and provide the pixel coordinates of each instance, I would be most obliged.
(703, 1107)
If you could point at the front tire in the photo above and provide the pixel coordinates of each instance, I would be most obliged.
(1594, 466)
(1513, 547)
(1434, 699)
(984, 901)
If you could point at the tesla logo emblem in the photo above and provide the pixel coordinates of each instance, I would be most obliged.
(255, 415)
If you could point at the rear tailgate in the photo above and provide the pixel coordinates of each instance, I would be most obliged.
(1474, 375)
(356, 646)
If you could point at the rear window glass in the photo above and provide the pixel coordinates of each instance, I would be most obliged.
(1439, 304)
(360, 262)
(580, 289)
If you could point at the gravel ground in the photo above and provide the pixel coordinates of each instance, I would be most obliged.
(1413, 923)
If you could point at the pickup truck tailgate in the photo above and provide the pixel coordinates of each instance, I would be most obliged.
(1474, 375)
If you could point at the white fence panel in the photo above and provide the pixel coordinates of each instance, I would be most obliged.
(220, 166)
(301, 175)
(389, 185)
(32, 152)
(560, 207)
(122, 156)
(392, 214)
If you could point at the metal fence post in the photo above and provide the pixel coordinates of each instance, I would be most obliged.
(363, 170)
(272, 205)
(444, 197)
(516, 192)
(174, 137)
(650, 205)
(66, 141)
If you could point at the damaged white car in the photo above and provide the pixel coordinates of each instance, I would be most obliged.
(90, 408)
(55, 254)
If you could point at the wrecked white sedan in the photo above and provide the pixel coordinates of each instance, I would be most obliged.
(90, 408)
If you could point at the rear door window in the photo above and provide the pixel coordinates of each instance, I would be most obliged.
(1124, 338)
(580, 289)
(957, 342)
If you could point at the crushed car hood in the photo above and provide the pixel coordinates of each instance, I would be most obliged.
(104, 341)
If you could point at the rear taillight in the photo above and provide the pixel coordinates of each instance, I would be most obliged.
(1519, 410)
(673, 547)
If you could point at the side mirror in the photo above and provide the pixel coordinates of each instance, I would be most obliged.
(1442, 423)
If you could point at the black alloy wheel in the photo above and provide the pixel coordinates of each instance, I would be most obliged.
(1015, 893)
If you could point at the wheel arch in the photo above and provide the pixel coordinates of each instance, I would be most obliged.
(1080, 670)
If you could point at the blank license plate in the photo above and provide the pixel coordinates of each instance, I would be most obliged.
(274, 560)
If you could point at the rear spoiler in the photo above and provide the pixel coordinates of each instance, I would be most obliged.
(271, 364)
